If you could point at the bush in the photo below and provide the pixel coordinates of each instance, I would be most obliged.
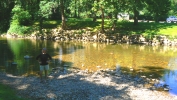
(22, 16)
(20, 20)
(16, 28)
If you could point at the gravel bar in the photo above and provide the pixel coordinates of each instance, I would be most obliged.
(81, 85)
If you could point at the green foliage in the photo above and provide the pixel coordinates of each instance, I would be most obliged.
(26, 11)
(6, 93)
(20, 19)
(22, 16)
(3, 26)
(108, 7)
(5, 15)
(51, 24)
(173, 10)
(74, 23)
(156, 9)
(79, 8)
(46, 8)
(16, 28)
(79, 19)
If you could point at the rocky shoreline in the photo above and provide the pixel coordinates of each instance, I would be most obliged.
(74, 84)
(58, 34)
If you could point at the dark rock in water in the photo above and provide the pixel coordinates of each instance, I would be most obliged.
(162, 86)
(14, 63)
(27, 57)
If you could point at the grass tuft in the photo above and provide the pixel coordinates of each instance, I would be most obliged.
(7, 93)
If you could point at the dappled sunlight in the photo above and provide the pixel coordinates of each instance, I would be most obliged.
(51, 95)
(80, 84)
(65, 76)
(23, 87)
(12, 76)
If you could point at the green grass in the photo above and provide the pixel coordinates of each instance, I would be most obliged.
(148, 29)
(171, 31)
(122, 27)
(6, 93)
(126, 27)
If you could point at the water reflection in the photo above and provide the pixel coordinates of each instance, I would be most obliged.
(170, 77)
(159, 61)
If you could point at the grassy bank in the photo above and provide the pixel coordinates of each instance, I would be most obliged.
(123, 27)
(6, 93)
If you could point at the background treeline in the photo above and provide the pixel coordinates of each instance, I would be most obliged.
(18, 16)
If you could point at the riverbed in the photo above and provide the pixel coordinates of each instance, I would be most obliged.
(152, 62)
(80, 85)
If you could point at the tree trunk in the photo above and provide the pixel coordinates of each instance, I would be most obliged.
(156, 18)
(136, 14)
(62, 15)
(94, 17)
(40, 25)
(114, 25)
(102, 23)
(75, 11)
(78, 9)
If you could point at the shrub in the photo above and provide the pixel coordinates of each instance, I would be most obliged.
(20, 20)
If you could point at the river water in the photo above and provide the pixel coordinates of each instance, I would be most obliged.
(152, 61)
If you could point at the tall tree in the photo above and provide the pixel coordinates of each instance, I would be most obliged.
(132, 6)
(45, 11)
(98, 8)
(6, 7)
(173, 10)
(103, 8)
(19, 21)
(74, 8)
(63, 14)
(155, 7)
(135, 6)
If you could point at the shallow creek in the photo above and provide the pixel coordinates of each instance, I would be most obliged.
(154, 62)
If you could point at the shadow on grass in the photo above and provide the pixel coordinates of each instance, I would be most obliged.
(82, 24)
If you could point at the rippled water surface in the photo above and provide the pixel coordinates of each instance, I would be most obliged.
(153, 61)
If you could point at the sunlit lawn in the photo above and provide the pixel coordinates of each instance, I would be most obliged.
(6, 93)
(172, 31)
(123, 27)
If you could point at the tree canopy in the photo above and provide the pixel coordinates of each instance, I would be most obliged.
(19, 14)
